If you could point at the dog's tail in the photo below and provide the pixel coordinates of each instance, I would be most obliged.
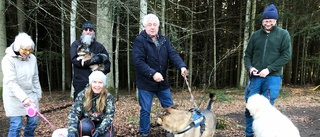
(210, 102)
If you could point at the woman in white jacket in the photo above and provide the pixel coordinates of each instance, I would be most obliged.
(21, 86)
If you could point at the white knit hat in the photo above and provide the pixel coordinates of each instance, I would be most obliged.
(98, 75)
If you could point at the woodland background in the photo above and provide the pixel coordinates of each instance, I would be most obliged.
(210, 35)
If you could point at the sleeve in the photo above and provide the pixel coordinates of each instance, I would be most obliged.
(75, 113)
(107, 63)
(139, 57)
(285, 53)
(109, 115)
(248, 54)
(10, 78)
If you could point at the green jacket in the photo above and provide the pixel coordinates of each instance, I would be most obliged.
(78, 112)
(268, 50)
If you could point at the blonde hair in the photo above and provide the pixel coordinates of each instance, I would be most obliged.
(101, 101)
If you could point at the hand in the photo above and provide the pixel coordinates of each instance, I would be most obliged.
(265, 72)
(72, 134)
(157, 77)
(96, 134)
(253, 71)
(104, 57)
(184, 72)
(27, 102)
(97, 59)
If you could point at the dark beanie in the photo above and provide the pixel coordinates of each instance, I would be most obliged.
(89, 25)
(270, 12)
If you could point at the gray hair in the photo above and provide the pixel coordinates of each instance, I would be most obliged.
(22, 40)
(150, 16)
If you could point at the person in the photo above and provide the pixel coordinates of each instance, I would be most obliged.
(82, 71)
(268, 50)
(151, 53)
(93, 110)
(21, 85)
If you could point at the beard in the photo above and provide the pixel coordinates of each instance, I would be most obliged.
(87, 39)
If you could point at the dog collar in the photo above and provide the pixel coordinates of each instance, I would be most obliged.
(198, 119)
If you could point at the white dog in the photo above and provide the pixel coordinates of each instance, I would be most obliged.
(268, 121)
(61, 132)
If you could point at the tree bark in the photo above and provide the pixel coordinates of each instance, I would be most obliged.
(105, 23)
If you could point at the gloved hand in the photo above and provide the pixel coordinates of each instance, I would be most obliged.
(72, 134)
(184, 72)
(265, 72)
(97, 59)
(104, 57)
(253, 71)
(96, 134)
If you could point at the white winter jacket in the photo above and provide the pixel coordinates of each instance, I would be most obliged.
(20, 80)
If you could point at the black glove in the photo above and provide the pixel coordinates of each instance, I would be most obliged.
(104, 57)
(97, 59)
(96, 134)
(72, 134)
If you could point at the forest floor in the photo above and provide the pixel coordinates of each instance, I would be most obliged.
(301, 105)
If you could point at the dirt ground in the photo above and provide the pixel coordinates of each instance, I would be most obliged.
(301, 105)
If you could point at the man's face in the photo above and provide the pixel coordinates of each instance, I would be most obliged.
(88, 35)
(268, 24)
(152, 28)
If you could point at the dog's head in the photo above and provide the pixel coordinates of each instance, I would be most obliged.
(256, 104)
(173, 120)
(82, 50)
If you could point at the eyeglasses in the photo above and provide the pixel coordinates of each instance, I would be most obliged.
(86, 29)
(27, 50)
(268, 21)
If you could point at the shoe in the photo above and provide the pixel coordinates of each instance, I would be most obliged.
(144, 135)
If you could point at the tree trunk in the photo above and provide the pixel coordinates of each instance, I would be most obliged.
(3, 36)
(21, 16)
(214, 44)
(105, 22)
(63, 76)
(143, 11)
(116, 60)
(245, 42)
(73, 34)
(128, 52)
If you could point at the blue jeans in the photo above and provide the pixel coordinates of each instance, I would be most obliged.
(268, 87)
(16, 125)
(145, 102)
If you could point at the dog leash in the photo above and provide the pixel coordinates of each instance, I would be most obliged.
(192, 98)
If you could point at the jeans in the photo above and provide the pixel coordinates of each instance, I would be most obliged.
(268, 87)
(16, 125)
(145, 102)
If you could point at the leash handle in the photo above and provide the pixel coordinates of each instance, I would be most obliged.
(189, 88)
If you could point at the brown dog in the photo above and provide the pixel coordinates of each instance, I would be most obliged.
(84, 55)
(192, 123)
